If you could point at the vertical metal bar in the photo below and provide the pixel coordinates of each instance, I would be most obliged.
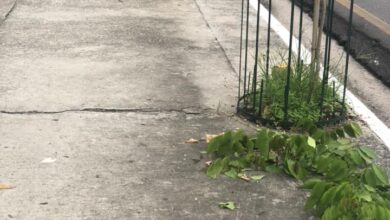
(268, 42)
(325, 75)
(248, 89)
(330, 35)
(254, 83)
(347, 58)
(268, 50)
(300, 39)
(240, 63)
(287, 87)
(261, 99)
(334, 98)
(268, 38)
(246, 51)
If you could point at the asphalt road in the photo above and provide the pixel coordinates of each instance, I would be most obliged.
(371, 32)
(370, 43)
(380, 8)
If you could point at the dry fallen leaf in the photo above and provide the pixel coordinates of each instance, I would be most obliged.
(208, 163)
(244, 177)
(192, 141)
(5, 186)
(210, 137)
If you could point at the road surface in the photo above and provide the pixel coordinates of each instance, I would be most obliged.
(380, 8)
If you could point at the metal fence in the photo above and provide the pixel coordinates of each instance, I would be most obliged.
(299, 85)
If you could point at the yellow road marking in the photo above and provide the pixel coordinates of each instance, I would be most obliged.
(372, 19)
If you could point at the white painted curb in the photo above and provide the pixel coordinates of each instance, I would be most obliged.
(375, 124)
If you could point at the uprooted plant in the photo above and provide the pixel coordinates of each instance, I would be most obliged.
(344, 182)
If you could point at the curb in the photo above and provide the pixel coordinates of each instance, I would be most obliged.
(365, 38)
(6, 9)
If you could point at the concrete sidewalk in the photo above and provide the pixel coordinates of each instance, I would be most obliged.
(111, 90)
(6, 7)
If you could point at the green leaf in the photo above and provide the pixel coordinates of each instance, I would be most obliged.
(365, 196)
(240, 163)
(323, 164)
(368, 152)
(300, 141)
(340, 132)
(215, 144)
(262, 142)
(364, 156)
(318, 134)
(278, 142)
(227, 144)
(329, 214)
(311, 142)
(369, 188)
(310, 183)
(216, 167)
(349, 130)
(227, 205)
(295, 169)
(232, 173)
(315, 195)
(355, 157)
(367, 211)
(356, 128)
(257, 178)
(326, 199)
(342, 189)
(333, 135)
(337, 170)
(291, 168)
(370, 178)
(380, 174)
(382, 213)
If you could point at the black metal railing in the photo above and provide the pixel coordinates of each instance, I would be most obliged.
(282, 92)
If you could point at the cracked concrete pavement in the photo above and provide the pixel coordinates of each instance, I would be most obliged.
(111, 90)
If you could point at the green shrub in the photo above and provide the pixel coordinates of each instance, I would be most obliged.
(342, 179)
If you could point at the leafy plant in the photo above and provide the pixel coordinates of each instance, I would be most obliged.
(342, 179)
(304, 102)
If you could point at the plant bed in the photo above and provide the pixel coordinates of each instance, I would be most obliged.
(309, 99)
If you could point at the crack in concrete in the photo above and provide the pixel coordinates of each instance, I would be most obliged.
(11, 9)
(2, 20)
(216, 38)
(187, 110)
